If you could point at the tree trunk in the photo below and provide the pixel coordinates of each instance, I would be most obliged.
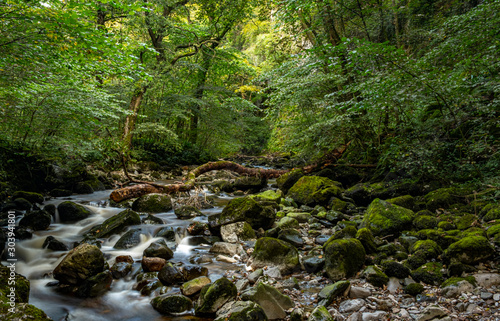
(128, 127)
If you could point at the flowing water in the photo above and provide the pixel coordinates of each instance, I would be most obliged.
(121, 302)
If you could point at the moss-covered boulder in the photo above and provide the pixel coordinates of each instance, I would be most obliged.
(186, 212)
(492, 214)
(320, 313)
(312, 190)
(414, 289)
(366, 238)
(331, 291)
(428, 248)
(249, 183)
(36, 220)
(272, 301)
(406, 201)
(95, 285)
(241, 311)
(374, 275)
(343, 258)
(116, 224)
(269, 195)
(21, 312)
(244, 209)
(287, 222)
(30, 196)
(22, 204)
(21, 284)
(128, 240)
(172, 304)
(54, 244)
(384, 218)
(422, 222)
(494, 233)
(237, 232)
(287, 180)
(441, 198)
(153, 203)
(71, 212)
(79, 264)
(271, 251)
(195, 285)
(429, 273)
(291, 236)
(170, 275)
(465, 221)
(300, 217)
(395, 269)
(214, 296)
(469, 250)
(159, 249)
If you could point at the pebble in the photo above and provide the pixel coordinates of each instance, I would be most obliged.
(496, 296)
(374, 316)
(486, 295)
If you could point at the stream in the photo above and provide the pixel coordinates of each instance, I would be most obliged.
(121, 302)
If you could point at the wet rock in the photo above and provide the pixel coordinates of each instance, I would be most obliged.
(172, 304)
(150, 219)
(190, 272)
(21, 285)
(153, 264)
(116, 224)
(249, 183)
(432, 312)
(95, 285)
(242, 284)
(80, 264)
(30, 196)
(384, 218)
(237, 232)
(230, 249)
(469, 250)
(353, 305)
(373, 316)
(159, 249)
(150, 286)
(214, 296)
(54, 244)
(202, 239)
(153, 203)
(330, 292)
(272, 301)
(291, 236)
(22, 204)
(313, 263)
(320, 313)
(167, 232)
(343, 258)
(72, 212)
(186, 212)
(271, 251)
(36, 220)
(243, 209)
(312, 190)
(120, 269)
(129, 239)
(359, 292)
(50, 208)
(59, 192)
(170, 275)
(375, 276)
(241, 311)
(198, 228)
(195, 285)
(287, 180)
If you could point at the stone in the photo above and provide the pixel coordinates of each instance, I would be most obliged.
(168, 232)
(54, 244)
(330, 292)
(313, 263)
(22, 204)
(237, 232)
(359, 292)
(343, 258)
(454, 290)
(242, 284)
(300, 217)
(469, 250)
(190, 272)
(224, 258)
(21, 285)
(186, 212)
(241, 311)
(366, 238)
(269, 195)
(406, 201)
(213, 296)
(249, 183)
(291, 236)
(116, 224)
(297, 314)
(429, 273)
(95, 285)
(395, 269)
(432, 312)
(30, 196)
(243, 209)
(356, 316)
(195, 285)
(230, 249)
(271, 251)
(394, 285)
(120, 269)
(172, 304)
(79, 264)
(128, 240)
(272, 301)
(71, 212)
(287, 180)
(441, 198)
(413, 289)
(486, 295)
(374, 316)
(320, 313)
(384, 218)
(255, 275)
(487, 280)
(170, 275)
(375, 276)
(287, 222)
(36, 220)
(153, 203)
(273, 272)
(352, 305)
(312, 190)
(152, 264)
(150, 219)
(159, 249)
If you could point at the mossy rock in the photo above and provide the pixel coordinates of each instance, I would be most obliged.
(271, 251)
(269, 195)
(159, 249)
(331, 291)
(237, 232)
(375, 276)
(287, 180)
(243, 209)
(472, 231)
(429, 248)
(71, 212)
(30, 196)
(384, 218)
(22, 311)
(343, 258)
(413, 289)
(241, 311)
(36, 220)
(454, 281)
(186, 212)
(95, 285)
(312, 190)
(395, 269)
(291, 236)
(443, 239)
(469, 250)
(493, 214)
(128, 240)
(300, 217)
(195, 285)
(364, 193)
(320, 313)
(116, 224)
(446, 226)
(249, 183)
(287, 222)
(153, 203)
(336, 204)
(21, 285)
(441, 198)
(465, 221)
(366, 238)
(273, 302)
(416, 260)
(345, 233)
(429, 273)
(486, 208)
(493, 231)
(214, 296)
(79, 264)
(425, 222)
(170, 275)
(406, 201)
(172, 304)
(22, 204)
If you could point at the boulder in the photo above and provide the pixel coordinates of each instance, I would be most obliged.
(453, 287)
(244, 209)
(241, 311)
(272, 301)
(95, 285)
(312, 190)
(72, 212)
(21, 285)
(79, 264)
(170, 275)
(22, 204)
(375, 276)
(159, 249)
(413, 289)
(129, 239)
(23, 311)
(384, 218)
(195, 285)
(429, 273)
(36, 220)
(330, 292)
(269, 195)
(116, 224)
(291, 236)
(237, 232)
(230, 249)
(54, 244)
(271, 251)
(120, 269)
(199, 228)
(320, 313)
(187, 212)
(343, 258)
(153, 203)
(152, 264)
(249, 183)
(287, 180)
(30, 196)
(406, 201)
(214, 296)
(441, 198)
(190, 272)
(469, 250)
(172, 304)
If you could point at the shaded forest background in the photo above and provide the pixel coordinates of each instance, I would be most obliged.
(413, 85)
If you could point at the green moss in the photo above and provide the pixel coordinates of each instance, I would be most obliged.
(343, 258)
(270, 250)
(493, 214)
(425, 222)
(465, 221)
(172, 304)
(153, 203)
(473, 231)
(454, 280)
(215, 295)
(347, 232)
(429, 248)
(269, 195)
(336, 204)
(406, 201)
(393, 268)
(23, 311)
(30, 196)
(446, 225)
(375, 276)
(441, 198)
(366, 238)
(116, 224)
(414, 289)
(312, 190)
(469, 250)
(494, 230)
(330, 292)
(300, 217)
(21, 285)
(384, 218)
(429, 273)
